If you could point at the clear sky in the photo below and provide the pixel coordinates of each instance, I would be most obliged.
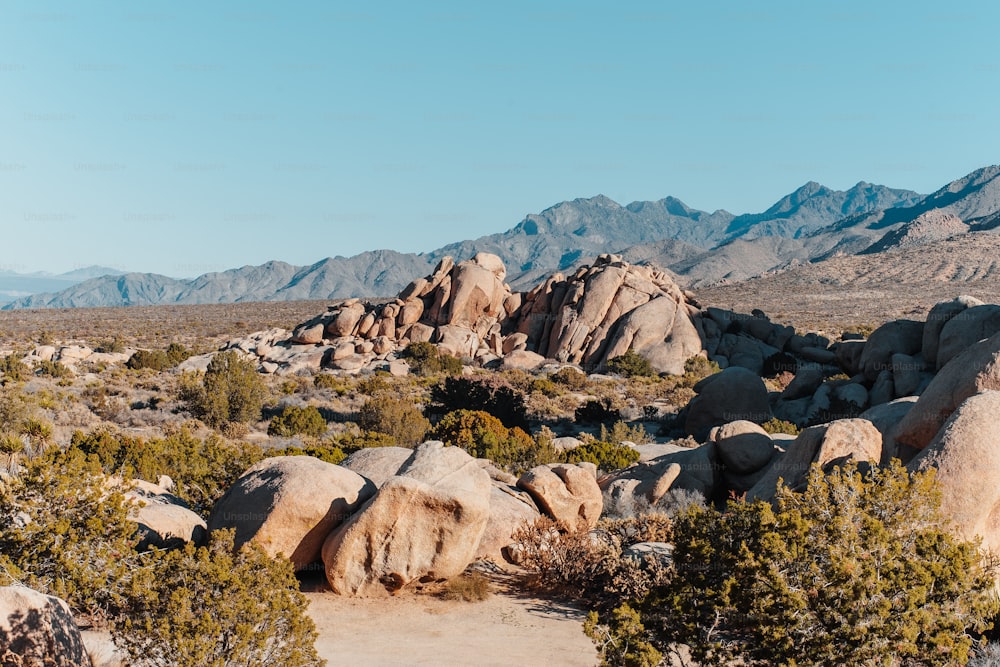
(182, 137)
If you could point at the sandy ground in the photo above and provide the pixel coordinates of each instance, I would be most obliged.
(413, 630)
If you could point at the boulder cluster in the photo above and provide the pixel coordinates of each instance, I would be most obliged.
(390, 517)
(467, 310)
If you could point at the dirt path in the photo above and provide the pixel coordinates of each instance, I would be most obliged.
(415, 630)
(419, 630)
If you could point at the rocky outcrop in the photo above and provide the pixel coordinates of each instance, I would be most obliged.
(836, 443)
(423, 524)
(38, 629)
(734, 394)
(567, 493)
(289, 505)
(510, 510)
(975, 369)
(597, 313)
(163, 520)
(965, 455)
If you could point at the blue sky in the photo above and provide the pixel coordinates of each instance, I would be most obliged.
(183, 137)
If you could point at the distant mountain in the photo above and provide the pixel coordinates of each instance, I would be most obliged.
(15, 285)
(811, 224)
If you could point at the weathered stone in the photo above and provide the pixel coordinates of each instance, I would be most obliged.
(377, 464)
(567, 493)
(974, 370)
(289, 505)
(523, 360)
(424, 524)
(510, 509)
(38, 629)
(966, 328)
(836, 443)
(743, 446)
(309, 334)
(939, 315)
(732, 395)
(898, 336)
(964, 452)
(346, 320)
(807, 380)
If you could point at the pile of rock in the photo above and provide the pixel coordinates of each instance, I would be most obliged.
(467, 310)
(390, 517)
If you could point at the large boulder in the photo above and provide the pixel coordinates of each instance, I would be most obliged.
(378, 464)
(743, 446)
(567, 493)
(659, 330)
(896, 337)
(163, 520)
(835, 443)
(38, 629)
(734, 394)
(966, 328)
(965, 454)
(940, 315)
(424, 524)
(974, 370)
(886, 418)
(629, 491)
(510, 509)
(289, 505)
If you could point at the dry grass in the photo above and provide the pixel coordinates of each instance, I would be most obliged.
(474, 587)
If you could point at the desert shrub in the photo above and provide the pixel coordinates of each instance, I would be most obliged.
(158, 360)
(631, 364)
(607, 456)
(52, 369)
(331, 382)
(426, 359)
(373, 385)
(202, 470)
(63, 532)
(698, 367)
(394, 416)
(775, 425)
(13, 369)
(295, 420)
(592, 566)
(621, 432)
(217, 606)
(545, 386)
(231, 391)
(627, 644)
(490, 393)
(324, 452)
(597, 411)
(473, 587)
(351, 441)
(856, 570)
(570, 378)
(111, 346)
(484, 436)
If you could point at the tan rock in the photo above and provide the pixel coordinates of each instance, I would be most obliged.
(523, 359)
(346, 320)
(38, 629)
(308, 334)
(938, 316)
(289, 505)
(566, 493)
(965, 455)
(510, 509)
(835, 443)
(966, 328)
(423, 524)
(377, 464)
(743, 446)
(974, 370)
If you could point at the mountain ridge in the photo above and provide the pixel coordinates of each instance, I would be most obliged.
(810, 224)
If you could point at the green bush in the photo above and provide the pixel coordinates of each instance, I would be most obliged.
(231, 392)
(631, 364)
(570, 378)
(52, 369)
(395, 417)
(331, 382)
(484, 436)
(597, 411)
(857, 570)
(607, 456)
(426, 359)
(13, 369)
(202, 470)
(295, 420)
(489, 393)
(219, 607)
(63, 532)
(775, 425)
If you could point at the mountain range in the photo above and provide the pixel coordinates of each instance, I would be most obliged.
(812, 224)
